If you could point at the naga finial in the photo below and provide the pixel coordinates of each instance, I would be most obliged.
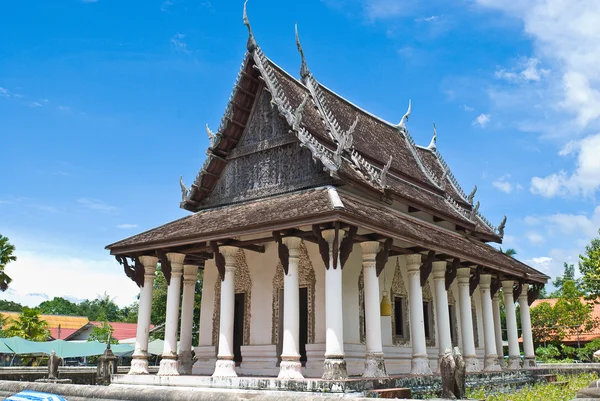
(211, 136)
(184, 190)
(304, 72)
(402, 123)
(472, 195)
(475, 210)
(432, 145)
(251, 45)
(384, 173)
(501, 227)
(298, 112)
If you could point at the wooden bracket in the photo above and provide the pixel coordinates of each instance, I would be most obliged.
(382, 256)
(534, 293)
(347, 244)
(323, 245)
(496, 284)
(451, 272)
(139, 271)
(427, 267)
(129, 271)
(517, 290)
(219, 259)
(165, 265)
(336, 244)
(283, 251)
(474, 280)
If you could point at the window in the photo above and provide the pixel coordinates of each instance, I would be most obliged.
(427, 319)
(399, 305)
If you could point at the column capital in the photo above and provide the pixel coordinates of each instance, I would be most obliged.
(439, 270)
(524, 290)
(149, 263)
(176, 258)
(370, 247)
(413, 261)
(190, 273)
(485, 280)
(463, 274)
(292, 243)
(228, 251)
(329, 235)
(507, 286)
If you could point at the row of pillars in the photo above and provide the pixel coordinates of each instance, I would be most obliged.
(334, 364)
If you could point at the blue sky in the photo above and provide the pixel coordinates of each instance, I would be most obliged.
(103, 106)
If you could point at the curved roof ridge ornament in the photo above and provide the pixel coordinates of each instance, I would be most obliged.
(211, 136)
(402, 124)
(475, 211)
(251, 45)
(304, 71)
(184, 190)
(471, 196)
(501, 227)
(432, 144)
(383, 178)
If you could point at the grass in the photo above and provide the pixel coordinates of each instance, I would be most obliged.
(540, 391)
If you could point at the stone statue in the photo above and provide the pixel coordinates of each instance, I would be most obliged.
(459, 374)
(448, 369)
(53, 363)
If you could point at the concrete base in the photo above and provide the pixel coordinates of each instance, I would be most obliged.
(490, 364)
(471, 363)
(334, 369)
(168, 367)
(374, 366)
(514, 362)
(420, 365)
(502, 362)
(139, 365)
(290, 368)
(529, 362)
(55, 381)
(185, 363)
(224, 368)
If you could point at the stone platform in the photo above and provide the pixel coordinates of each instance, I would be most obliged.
(358, 386)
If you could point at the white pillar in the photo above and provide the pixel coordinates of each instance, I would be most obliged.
(374, 362)
(290, 366)
(466, 320)
(420, 361)
(225, 366)
(514, 357)
(490, 362)
(334, 366)
(190, 277)
(528, 352)
(498, 330)
(139, 363)
(441, 308)
(169, 365)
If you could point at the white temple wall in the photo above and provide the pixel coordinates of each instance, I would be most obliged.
(207, 305)
(262, 268)
(319, 268)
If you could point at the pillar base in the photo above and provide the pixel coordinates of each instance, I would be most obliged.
(290, 368)
(334, 369)
(225, 368)
(420, 365)
(185, 363)
(374, 365)
(139, 365)
(529, 362)
(471, 363)
(514, 362)
(490, 364)
(502, 362)
(168, 367)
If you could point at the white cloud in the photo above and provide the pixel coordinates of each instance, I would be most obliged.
(503, 184)
(526, 71)
(95, 204)
(4, 92)
(541, 263)
(585, 179)
(127, 226)
(178, 44)
(427, 19)
(34, 104)
(467, 108)
(534, 237)
(166, 4)
(383, 9)
(482, 120)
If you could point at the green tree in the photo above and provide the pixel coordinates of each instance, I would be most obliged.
(59, 306)
(29, 326)
(6, 256)
(101, 333)
(10, 306)
(509, 252)
(589, 267)
(101, 308)
(559, 282)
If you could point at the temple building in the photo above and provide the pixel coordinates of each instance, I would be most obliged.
(332, 246)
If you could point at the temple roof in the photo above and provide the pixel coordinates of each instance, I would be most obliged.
(316, 206)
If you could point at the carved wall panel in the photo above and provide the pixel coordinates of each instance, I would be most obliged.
(475, 328)
(243, 285)
(428, 297)
(454, 320)
(306, 278)
(267, 161)
(399, 290)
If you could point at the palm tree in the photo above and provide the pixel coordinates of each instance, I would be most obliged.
(6, 256)
(509, 252)
(29, 326)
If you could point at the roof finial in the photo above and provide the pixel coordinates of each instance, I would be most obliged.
(501, 227)
(402, 123)
(432, 145)
(184, 190)
(475, 210)
(472, 195)
(211, 137)
(304, 72)
(251, 45)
